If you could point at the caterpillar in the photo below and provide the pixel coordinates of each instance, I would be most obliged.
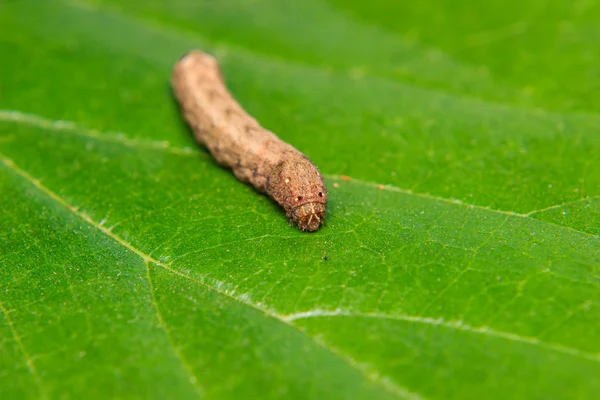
(237, 141)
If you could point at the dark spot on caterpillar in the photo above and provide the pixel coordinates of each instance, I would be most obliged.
(230, 112)
(250, 128)
(212, 95)
(325, 258)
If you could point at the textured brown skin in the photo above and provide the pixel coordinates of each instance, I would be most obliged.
(237, 141)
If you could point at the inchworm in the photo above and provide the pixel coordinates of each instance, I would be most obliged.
(237, 141)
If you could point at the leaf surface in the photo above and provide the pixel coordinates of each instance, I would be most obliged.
(461, 254)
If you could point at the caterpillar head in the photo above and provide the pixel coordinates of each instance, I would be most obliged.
(298, 186)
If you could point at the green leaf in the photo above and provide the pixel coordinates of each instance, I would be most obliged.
(460, 260)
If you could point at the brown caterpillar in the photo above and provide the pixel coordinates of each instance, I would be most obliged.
(237, 141)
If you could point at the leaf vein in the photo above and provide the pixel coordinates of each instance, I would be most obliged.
(77, 130)
(568, 203)
(28, 360)
(193, 380)
(440, 322)
(459, 203)
(120, 138)
(385, 382)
